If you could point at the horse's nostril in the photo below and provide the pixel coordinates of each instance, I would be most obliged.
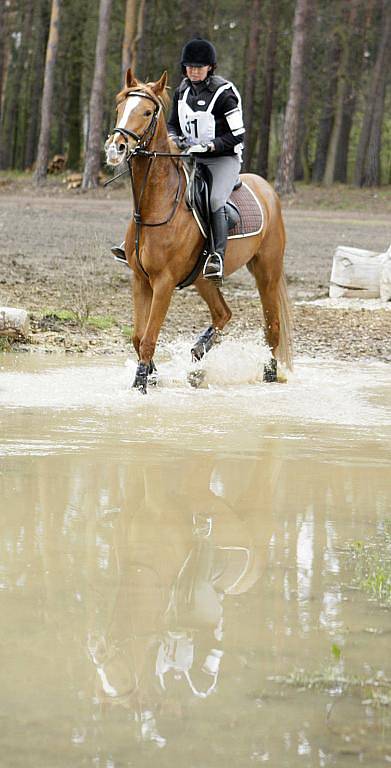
(121, 147)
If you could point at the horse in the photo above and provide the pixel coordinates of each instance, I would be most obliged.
(163, 241)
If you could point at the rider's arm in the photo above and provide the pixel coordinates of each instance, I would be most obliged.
(173, 125)
(229, 118)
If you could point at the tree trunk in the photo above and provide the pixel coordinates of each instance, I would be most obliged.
(301, 166)
(37, 63)
(13, 100)
(371, 176)
(2, 48)
(251, 74)
(343, 79)
(367, 164)
(74, 117)
(267, 103)
(331, 64)
(358, 37)
(129, 36)
(51, 55)
(285, 173)
(92, 161)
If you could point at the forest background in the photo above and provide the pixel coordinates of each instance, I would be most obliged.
(314, 76)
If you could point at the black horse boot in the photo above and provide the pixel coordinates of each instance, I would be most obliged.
(119, 253)
(214, 265)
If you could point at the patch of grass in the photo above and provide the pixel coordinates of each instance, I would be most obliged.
(101, 323)
(375, 690)
(59, 314)
(372, 565)
(5, 345)
(127, 331)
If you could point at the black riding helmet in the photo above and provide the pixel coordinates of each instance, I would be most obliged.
(198, 52)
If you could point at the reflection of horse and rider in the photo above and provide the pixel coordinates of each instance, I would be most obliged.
(177, 558)
(165, 245)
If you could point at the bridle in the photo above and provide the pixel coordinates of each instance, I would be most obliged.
(145, 138)
(140, 151)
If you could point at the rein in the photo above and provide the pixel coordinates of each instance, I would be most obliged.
(137, 213)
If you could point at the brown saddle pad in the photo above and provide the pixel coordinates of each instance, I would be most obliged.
(251, 214)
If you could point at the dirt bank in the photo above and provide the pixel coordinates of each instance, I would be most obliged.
(55, 261)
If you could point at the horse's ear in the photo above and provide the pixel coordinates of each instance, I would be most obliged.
(130, 80)
(160, 85)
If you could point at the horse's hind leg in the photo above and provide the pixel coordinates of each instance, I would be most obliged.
(220, 316)
(266, 267)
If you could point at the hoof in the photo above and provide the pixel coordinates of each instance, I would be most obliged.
(141, 378)
(152, 374)
(270, 371)
(281, 377)
(204, 343)
(196, 378)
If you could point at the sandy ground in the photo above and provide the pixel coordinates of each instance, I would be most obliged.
(55, 262)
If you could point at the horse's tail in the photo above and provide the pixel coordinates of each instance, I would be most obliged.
(284, 351)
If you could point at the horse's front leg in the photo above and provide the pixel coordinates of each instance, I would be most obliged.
(142, 300)
(162, 291)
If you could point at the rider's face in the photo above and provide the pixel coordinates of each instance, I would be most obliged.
(197, 73)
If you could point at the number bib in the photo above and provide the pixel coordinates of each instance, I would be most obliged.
(198, 126)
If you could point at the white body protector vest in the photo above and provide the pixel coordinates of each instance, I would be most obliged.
(200, 126)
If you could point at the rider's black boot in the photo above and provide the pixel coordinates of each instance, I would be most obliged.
(214, 265)
(119, 253)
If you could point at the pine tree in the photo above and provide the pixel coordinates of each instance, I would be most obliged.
(46, 109)
(285, 173)
(92, 160)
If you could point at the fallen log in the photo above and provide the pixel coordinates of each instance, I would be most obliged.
(14, 322)
(358, 273)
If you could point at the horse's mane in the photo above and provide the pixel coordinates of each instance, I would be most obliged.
(163, 98)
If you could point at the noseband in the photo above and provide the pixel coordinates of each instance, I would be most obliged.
(145, 138)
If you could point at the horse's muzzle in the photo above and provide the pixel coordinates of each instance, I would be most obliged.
(115, 150)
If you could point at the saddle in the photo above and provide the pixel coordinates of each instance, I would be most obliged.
(197, 198)
(244, 212)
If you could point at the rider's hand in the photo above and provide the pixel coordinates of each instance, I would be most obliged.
(181, 142)
(198, 149)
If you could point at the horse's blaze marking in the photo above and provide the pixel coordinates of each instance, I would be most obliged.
(130, 105)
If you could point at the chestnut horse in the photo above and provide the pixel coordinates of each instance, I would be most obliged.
(163, 241)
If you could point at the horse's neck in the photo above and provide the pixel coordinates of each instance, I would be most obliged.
(162, 180)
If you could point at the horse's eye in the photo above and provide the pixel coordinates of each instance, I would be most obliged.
(147, 113)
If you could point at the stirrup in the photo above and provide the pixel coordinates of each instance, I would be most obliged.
(214, 267)
(119, 253)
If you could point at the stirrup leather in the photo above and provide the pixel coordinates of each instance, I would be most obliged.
(214, 266)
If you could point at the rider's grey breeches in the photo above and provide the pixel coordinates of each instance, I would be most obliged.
(225, 172)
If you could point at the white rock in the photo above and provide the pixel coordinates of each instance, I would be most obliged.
(357, 273)
(14, 322)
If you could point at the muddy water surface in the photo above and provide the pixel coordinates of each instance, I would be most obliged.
(173, 573)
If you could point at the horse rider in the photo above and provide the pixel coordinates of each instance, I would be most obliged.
(207, 115)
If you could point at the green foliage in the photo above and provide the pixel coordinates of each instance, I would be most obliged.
(101, 323)
(372, 565)
(374, 689)
(167, 26)
(336, 651)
